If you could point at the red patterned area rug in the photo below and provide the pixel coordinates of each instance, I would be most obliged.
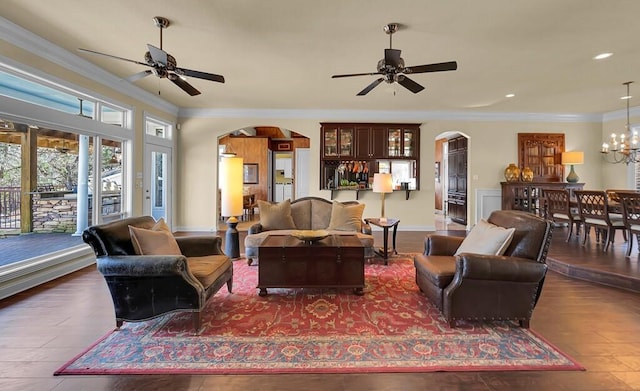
(391, 328)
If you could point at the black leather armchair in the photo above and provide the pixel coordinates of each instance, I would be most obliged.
(146, 286)
(487, 287)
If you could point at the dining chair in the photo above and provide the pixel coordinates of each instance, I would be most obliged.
(614, 204)
(593, 207)
(249, 204)
(559, 210)
(631, 216)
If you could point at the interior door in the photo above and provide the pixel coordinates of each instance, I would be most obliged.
(157, 182)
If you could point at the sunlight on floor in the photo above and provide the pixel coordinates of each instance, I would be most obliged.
(444, 223)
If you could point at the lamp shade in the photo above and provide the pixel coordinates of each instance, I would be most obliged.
(573, 157)
(231, 186)
(382, 183)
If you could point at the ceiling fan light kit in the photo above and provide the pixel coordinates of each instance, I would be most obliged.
(393, 70)
(163, 65)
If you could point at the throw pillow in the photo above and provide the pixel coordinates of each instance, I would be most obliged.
(155, 241)
(486, 238)
(346, 217)
(276, 216)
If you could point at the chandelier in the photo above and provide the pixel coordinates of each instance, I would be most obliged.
(625, 147)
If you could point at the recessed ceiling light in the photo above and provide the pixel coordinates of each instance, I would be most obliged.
(626, 97)
(510, 95)
(602, 56)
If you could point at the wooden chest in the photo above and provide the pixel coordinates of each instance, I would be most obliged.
(334, 262)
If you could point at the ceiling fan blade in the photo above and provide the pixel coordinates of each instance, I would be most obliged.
(392, 57)
(139, 75)
(188, 88)
(112, 56)
(409, 84)
(201, 75)
(158, 55)
(356, 74)
(439, 67)
(371, 87)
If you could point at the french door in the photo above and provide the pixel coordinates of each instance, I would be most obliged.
(157, 183)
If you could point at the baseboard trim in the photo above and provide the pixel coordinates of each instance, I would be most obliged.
(30, 273)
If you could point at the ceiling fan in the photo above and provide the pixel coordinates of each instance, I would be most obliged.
(392, 68)
(164, 65)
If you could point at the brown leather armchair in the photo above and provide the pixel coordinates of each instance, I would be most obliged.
(487, 287)
(146, 286)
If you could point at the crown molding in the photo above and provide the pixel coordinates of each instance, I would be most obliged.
(620, 114)
(26, 40)
(385, 115)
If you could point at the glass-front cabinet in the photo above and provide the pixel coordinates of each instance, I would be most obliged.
(401, 142)
(337, 142)
(352, 152)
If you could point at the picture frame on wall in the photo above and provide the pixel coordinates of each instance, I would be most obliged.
(250, 173)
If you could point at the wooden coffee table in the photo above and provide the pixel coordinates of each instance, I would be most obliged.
(336, 261)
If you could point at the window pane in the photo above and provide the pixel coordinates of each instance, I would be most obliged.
(159, 189)
(32, 92)
(55, 201)
(112, 116)
(158, 129)
(10, 190)
(111, 179)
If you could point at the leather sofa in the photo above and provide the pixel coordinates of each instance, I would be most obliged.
(487, 287)
(308, 213)
(146, 286)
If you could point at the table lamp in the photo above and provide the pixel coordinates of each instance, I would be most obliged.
(231, 202)
(382, 183)
(572, 158)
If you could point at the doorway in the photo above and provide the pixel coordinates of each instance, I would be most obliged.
(283, 177)
(451, 151)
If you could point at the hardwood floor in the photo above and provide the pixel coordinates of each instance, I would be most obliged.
(599, 326)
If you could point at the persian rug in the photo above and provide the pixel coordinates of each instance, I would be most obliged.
(391, 328)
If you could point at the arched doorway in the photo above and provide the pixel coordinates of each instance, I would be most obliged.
(273, 157)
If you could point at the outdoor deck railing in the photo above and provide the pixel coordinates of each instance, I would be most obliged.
(9, 207)
(10, 198)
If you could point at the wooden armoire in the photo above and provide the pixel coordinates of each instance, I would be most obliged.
(457, 180)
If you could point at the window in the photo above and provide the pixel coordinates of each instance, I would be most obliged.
(158, 128)
(403, 172)
(61, 166)
(22, 88)
(113, 116)
(38, 91)
(111, 179)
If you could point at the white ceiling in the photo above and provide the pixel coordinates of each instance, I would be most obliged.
(280, 54)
